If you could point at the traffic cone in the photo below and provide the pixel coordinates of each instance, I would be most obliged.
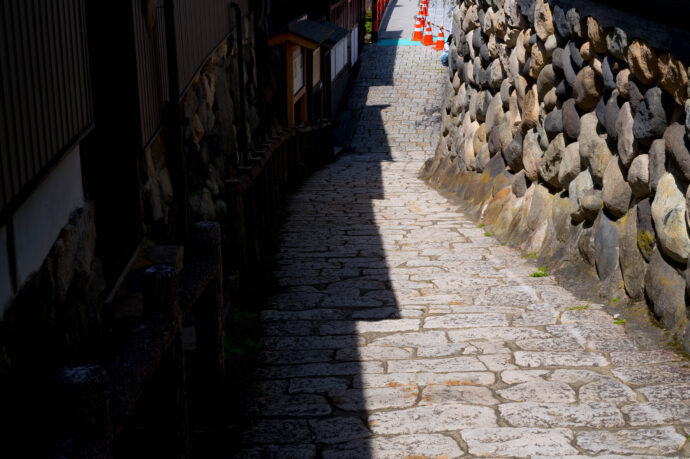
(420, 16)
(425, 8)
(417, 31)
(439, 41)
(428, 36)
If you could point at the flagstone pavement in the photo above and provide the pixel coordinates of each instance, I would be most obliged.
(396, 328)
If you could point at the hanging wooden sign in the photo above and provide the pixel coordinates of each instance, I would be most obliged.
(149, 9)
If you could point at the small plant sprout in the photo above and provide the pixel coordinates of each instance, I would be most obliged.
(481, 226)
(619, 321)
(540, 272)
(614, 300)
(487, 234)
(582, 307)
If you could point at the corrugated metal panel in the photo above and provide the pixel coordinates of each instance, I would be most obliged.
(45, 90)
(200, 26)
(152, 69)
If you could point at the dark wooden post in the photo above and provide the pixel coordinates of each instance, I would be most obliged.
(242, 133)
(84, 430)
(160, 290)
(327, 83)
(236, 233)
(174, 141)
(167, 391)
(310, 85)
(205, 246)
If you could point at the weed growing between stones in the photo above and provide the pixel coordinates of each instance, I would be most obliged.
(619, 321)
(240, 343)
(540, 272)
(241, 347)
(578, 308)
(487, 234)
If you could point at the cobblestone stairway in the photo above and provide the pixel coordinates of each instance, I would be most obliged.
(397, 328)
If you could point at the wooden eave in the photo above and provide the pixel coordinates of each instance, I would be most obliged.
(289, 37)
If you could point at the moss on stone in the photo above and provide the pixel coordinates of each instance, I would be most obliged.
(622, 221)
(646, 242)
(540, 272)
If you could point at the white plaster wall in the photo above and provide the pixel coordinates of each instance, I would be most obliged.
(37, 223)
(5, 282)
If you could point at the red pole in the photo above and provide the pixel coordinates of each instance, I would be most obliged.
(380, 9)
(375, 21)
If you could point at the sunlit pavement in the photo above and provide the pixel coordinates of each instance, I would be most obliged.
(399, 328)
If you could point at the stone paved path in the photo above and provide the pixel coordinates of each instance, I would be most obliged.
(398, 329)
(398, 21)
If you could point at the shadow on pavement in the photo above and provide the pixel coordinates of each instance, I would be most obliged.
(332, 292)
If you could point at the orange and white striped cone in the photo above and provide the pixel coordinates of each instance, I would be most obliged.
(417, 31)
(428, 36)
(421, 17)
(425, 8)
(440, 41)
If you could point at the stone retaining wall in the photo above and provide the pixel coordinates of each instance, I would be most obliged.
(571, 142)
(211, 125)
